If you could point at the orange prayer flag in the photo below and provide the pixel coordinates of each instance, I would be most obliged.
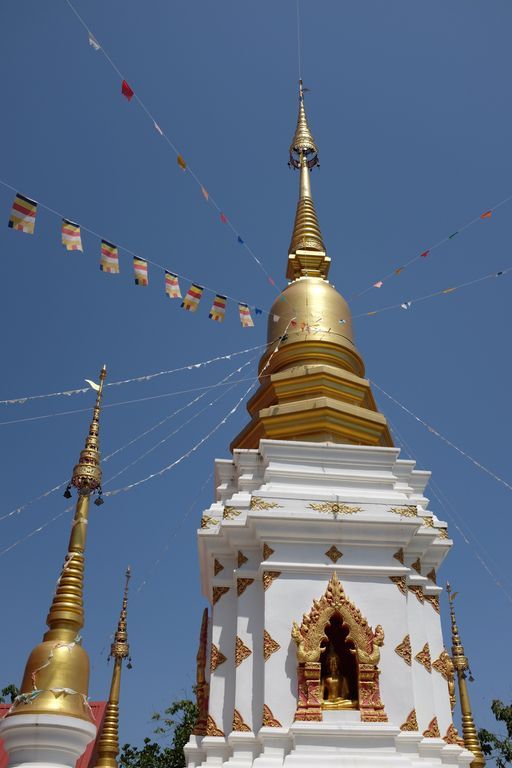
(182, 164)
(448, 290)
(205, 194)
(486, 215)
(400, 269)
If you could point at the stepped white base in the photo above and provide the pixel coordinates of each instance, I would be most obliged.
(329, 745)
(45, 741)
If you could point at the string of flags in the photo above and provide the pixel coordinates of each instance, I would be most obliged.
(23, 219)
(485, 215)
(128, 92)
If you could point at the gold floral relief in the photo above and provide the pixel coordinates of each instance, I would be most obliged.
(238, 722)
(217, 567)
(444, 665)
(404, 650)
(270, 645)
(334, 508)
(269, 721)
(452, 736)
(241, 559)
(433, 600)
(230, 513)
(417, 566)
(242, 584)
(432, 575)
(259, 503)
(334, 554)
(399, 555)
(216, 658)
(268, 577)
(443, 533)
(423, 657)
(207, 521)
(417, 591)
(411, 723)
(242, 652)
(267, 551)
(432, 731)
(400, 583)
(211, 728)
(217, 593)
(428, 521)
(411, 510)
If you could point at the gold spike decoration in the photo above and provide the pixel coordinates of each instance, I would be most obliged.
(56, 678)
(302, 142)
(108, 744)
(461, 665)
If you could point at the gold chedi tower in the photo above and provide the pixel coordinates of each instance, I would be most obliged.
(313, 388)
(108, 745)
(56, 679)
(460, 662)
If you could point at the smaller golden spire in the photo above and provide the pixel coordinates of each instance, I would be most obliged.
(461, 664)
(108, 745)
(303, 142)
(202, 686)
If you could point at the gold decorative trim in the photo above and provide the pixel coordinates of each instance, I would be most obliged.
(411, 510)
(242, 584)
(238, 723)
(230, 513)
(411, 723)
(217, 593)
(432, 731)
(268, 577)
(211, 728)
(432, 575)
(452, 736)
(424, 658)
(334, 508)
(399, 581)
(241, 559)
(207, 521)
(434, 602)
(242, 652)
(404, 650)
(428, 521)
(217, 567)
(417, 590)
(269, 721)
(417, 566)
(399, 556)
(334, 554)
(443, 533)
(258, 503)
(270, 645)
(216, 658)
(267, 551)
(444, 665)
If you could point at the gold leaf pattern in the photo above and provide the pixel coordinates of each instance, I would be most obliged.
(417, 566)
(230, 513)
(211, 728)
(269, 721)
(432, 575)
(207, 521)
(242, 584)
(432, 731)
(268, 578)
(334, 508)
(400, 583)
(428, 521)
(452, 736)
(242, 652)
(410, 510)
(417, 590)
(411, 724)
(238, 722)
(217, 567)
(443, 533)
(399, 555)
(434, 602)
(217, 593)
(334, 554)
(270, 645)
(424, 658)
(216, 658)
(267, 551)
(404, 650)
(241, 559)
(259, 503)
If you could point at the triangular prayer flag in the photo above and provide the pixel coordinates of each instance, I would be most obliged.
(240, 240)
(398, 270)
(406, 304)
(452, 235)
(271, 281)
(158, 128)
(109, 257)
(448, 290)
(23, 214)
(378, 284)
(205, 194)
(371, 313)
(172, 286)
(223, 219)
(218, 310)
(245, 316)
(486, 215)
(257, 311)
(126, 90)
(425, 254)
(140, 268)
(192, 298)
(182, 164)
(93, 42)
(71, 239)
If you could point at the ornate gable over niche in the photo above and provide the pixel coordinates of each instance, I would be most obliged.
(311, 636)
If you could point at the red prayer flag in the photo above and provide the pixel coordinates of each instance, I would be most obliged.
(126, 90)
(486, 215)
(271, 281)
(223, 219)
(424, 254)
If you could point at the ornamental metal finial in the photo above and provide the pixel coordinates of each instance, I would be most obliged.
(461, 664)
(303, 142)
(87, 473)
(108, 744)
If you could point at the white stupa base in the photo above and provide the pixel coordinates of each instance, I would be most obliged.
(329, 745)
(194, 754)
(45, 741)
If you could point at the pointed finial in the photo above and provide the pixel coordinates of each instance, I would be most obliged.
(108, 743)
(303, 143)
(87, 473)
(460, 662)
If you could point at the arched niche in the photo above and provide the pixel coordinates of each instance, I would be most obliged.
(310, 638)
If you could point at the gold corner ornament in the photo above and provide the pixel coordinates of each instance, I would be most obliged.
(217, 593)
(207, 521)
(241, 559)
(333, 554)
(444, 665)
(242, 652)
(258, 503)
(423, 657)
(404, 650)
(417, 566)
(267, 551)
(400, 582)
(268, 577)
(269, 721)
(270, 645)
(432, 575)
(334, 508)
(410, 510)
(216, 658)
(433, 600)
(399, 555)
(217, 567)
(230, 513)
(432, 732)
(411, 722)
(238, 723)
(242, 584)
(417, 592)
(212, 729)
(452, 736)
(427, 521)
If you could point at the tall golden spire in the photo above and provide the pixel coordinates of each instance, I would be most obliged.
(108, 746)
(461, 665)
(306, 254)
(56, 679)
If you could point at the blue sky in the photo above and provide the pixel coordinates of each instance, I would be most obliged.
(410, 107)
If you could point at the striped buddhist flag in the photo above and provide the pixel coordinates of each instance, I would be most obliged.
(23, 214)
(140, 268)
(218, 310)
(245, 316)
(109, 257)
(172, 286)
(71, 239)
(192, 298)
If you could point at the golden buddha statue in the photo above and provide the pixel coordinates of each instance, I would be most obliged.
(336, 686)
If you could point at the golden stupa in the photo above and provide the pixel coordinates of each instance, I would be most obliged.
(312, 384)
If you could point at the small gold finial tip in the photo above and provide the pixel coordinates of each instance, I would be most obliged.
(303, 142)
